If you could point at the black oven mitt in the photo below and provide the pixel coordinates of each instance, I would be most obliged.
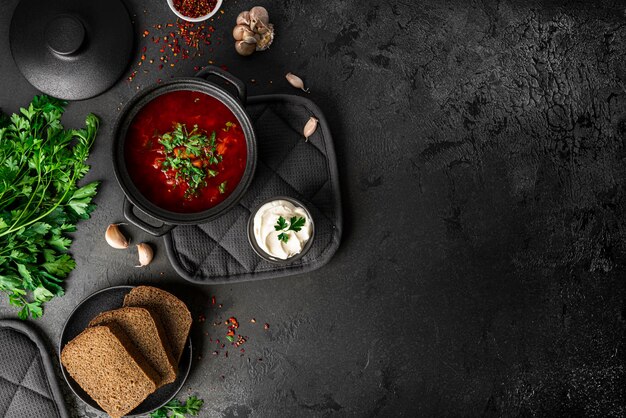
(28, 384)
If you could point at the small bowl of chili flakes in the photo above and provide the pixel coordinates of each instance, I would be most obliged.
(194, 10)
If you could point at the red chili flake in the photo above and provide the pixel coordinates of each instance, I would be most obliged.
(144, 49)
(212, 300)
(215, 353)
(266, 326)
(243, 350)
(143, 57)
(195, 8)
(253, 321)
(145, 33)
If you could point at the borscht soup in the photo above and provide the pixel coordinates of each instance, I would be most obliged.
(185, 151)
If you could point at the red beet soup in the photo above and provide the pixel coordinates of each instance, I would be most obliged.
(185, 151)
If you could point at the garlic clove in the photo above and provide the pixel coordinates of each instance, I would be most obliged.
(145, 254)
(259, 14)
(244, 18)
(245, 48)
(240, 32)
(310, 127)
(115, 238)
(296, 81)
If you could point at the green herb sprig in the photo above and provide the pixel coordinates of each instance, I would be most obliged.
(40, 202)
(176, 409)
(295, 224)
(189, 154)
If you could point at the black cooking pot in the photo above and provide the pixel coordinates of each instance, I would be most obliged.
(134, 199)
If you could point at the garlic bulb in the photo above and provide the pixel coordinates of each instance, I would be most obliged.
(310, 127)
(115, 238)
(254, 23)
(145, 254)
(296, 81)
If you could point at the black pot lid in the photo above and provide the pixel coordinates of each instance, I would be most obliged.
(71, 49)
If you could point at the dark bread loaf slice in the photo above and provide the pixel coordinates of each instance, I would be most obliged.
(104, 362)
(174, 315)
(148, 335)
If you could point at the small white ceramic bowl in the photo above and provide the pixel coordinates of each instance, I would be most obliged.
(194, 19)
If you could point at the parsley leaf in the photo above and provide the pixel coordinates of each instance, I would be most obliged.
(176, 409)
(40, 201)
(222, 187)
(296, 224)
(281, 224)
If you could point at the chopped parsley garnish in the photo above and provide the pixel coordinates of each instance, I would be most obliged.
(222, 187)
(176, 409)
(295, 224)
(189, 154)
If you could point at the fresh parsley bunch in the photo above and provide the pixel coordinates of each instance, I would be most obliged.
(40, 202)
(176, 409)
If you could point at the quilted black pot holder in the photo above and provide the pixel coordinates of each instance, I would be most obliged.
(28, 385)
(218, 251)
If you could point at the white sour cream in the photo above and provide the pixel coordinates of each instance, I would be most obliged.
(266, 235)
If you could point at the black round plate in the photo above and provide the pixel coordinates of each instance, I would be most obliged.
(71, 49)
(105, 300)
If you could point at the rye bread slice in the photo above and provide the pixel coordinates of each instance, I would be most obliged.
(147, 334)
(174, 315)
(104, 362)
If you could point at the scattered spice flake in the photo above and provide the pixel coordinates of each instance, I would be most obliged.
(215, 353)
(201, 318)
(220, 305)
(253, 321)
(266, 326)
(212, 300)
(145, 33)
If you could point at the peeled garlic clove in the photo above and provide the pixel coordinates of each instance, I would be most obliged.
(296, 81)
(265, 38)
(240, 32)
(145, 254)
(310, 127)
(244, 18)
(245, 48)
(115, 238)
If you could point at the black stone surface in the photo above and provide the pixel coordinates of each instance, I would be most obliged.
(481, 150)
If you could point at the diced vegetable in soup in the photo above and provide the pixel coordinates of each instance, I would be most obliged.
(185, 151)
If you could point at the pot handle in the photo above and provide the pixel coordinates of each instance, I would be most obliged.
(216, 71)
(157, 231)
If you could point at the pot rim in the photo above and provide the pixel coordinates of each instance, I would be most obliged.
(130, 111)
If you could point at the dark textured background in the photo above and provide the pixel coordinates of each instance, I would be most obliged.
(481, 150)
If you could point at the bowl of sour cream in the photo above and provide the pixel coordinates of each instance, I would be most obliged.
(281, 230)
